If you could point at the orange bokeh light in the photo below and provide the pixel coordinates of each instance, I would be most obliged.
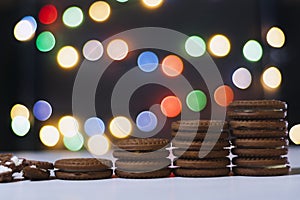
(171, 106)
(172, 65)
(223, 95)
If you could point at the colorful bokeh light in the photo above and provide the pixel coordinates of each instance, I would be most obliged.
(242, 78)
(92, 50)
(122, 1)
(172, 65)
(271, 77)
(45, 41)
(72, 17)
(117, 49)
(171, 106)
(146, 121)
(94, 126)
(147, 61)
(219, 45)
(195, 46)
(19, 110)
(120, 127)
(196, 100)
(252, 51)
(275, 37)
(42, 110)
(294, 134)
(48, 14)
(68, 126)
(49, 135)
(31, 20)
(20, 125)
(99, 11)
(25, 29)
(67, 57)
(223, 95)
(74, 143)
(98, 145)
(152, 3)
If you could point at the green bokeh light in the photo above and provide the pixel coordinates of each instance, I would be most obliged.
(196, 100)
(45, 41)
(72, 17)
(195, 46)
(74, 143)
(252, 51)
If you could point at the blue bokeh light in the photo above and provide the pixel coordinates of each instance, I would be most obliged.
(42, 110)
(94, 126)
(146, 121)
(147, 61)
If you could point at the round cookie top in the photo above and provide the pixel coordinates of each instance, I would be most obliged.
(142, 144)
(39, 164)
(83, 164)
(263, 103)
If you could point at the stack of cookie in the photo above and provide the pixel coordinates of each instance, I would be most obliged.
(259, 131)
(201, 148)
(83, 168)
(142, 158)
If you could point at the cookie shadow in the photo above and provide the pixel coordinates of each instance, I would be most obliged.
(295, 171)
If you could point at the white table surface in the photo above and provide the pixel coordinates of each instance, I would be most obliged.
(232, 187)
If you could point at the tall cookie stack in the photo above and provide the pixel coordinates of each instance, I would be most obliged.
(259, 131)
(142, 158)
(212, 137)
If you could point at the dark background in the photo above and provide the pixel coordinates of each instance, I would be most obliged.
(28, 75)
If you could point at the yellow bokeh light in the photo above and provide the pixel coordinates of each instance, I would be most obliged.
(152, 3)
(275, 37)
(219, 45)
(68, 126)
(19, 110)
(99, 11)
(294, 134)
(98, 145)
(49, 135)
(117, 49)
(120, 127)
(67, 57)
(272, 77)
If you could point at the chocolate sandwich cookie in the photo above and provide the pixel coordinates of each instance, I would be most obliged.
(260, 142)
(142, 144)
(142, 158)
(259, 124)
(261, 152)
(160, 173)
(262, 171)
(37, 170)
(257, 109)
(83, 168)
(211, 163)
(199, 125)
(196, 145)
(202, 172)
(5, 174)
(195, 154)
(259, 133)
(201, 135)
(135, 156)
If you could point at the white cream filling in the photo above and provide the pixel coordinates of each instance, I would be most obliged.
(4, 169)
(33, 166)
(17, 161)
(276, 167)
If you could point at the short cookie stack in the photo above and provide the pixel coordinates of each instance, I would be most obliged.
(201, 148)
(83, 168)
(142, 158)
(259, 130)
(9, 164)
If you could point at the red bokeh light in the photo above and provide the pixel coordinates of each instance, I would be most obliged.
(171, 106)
(48, 14)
